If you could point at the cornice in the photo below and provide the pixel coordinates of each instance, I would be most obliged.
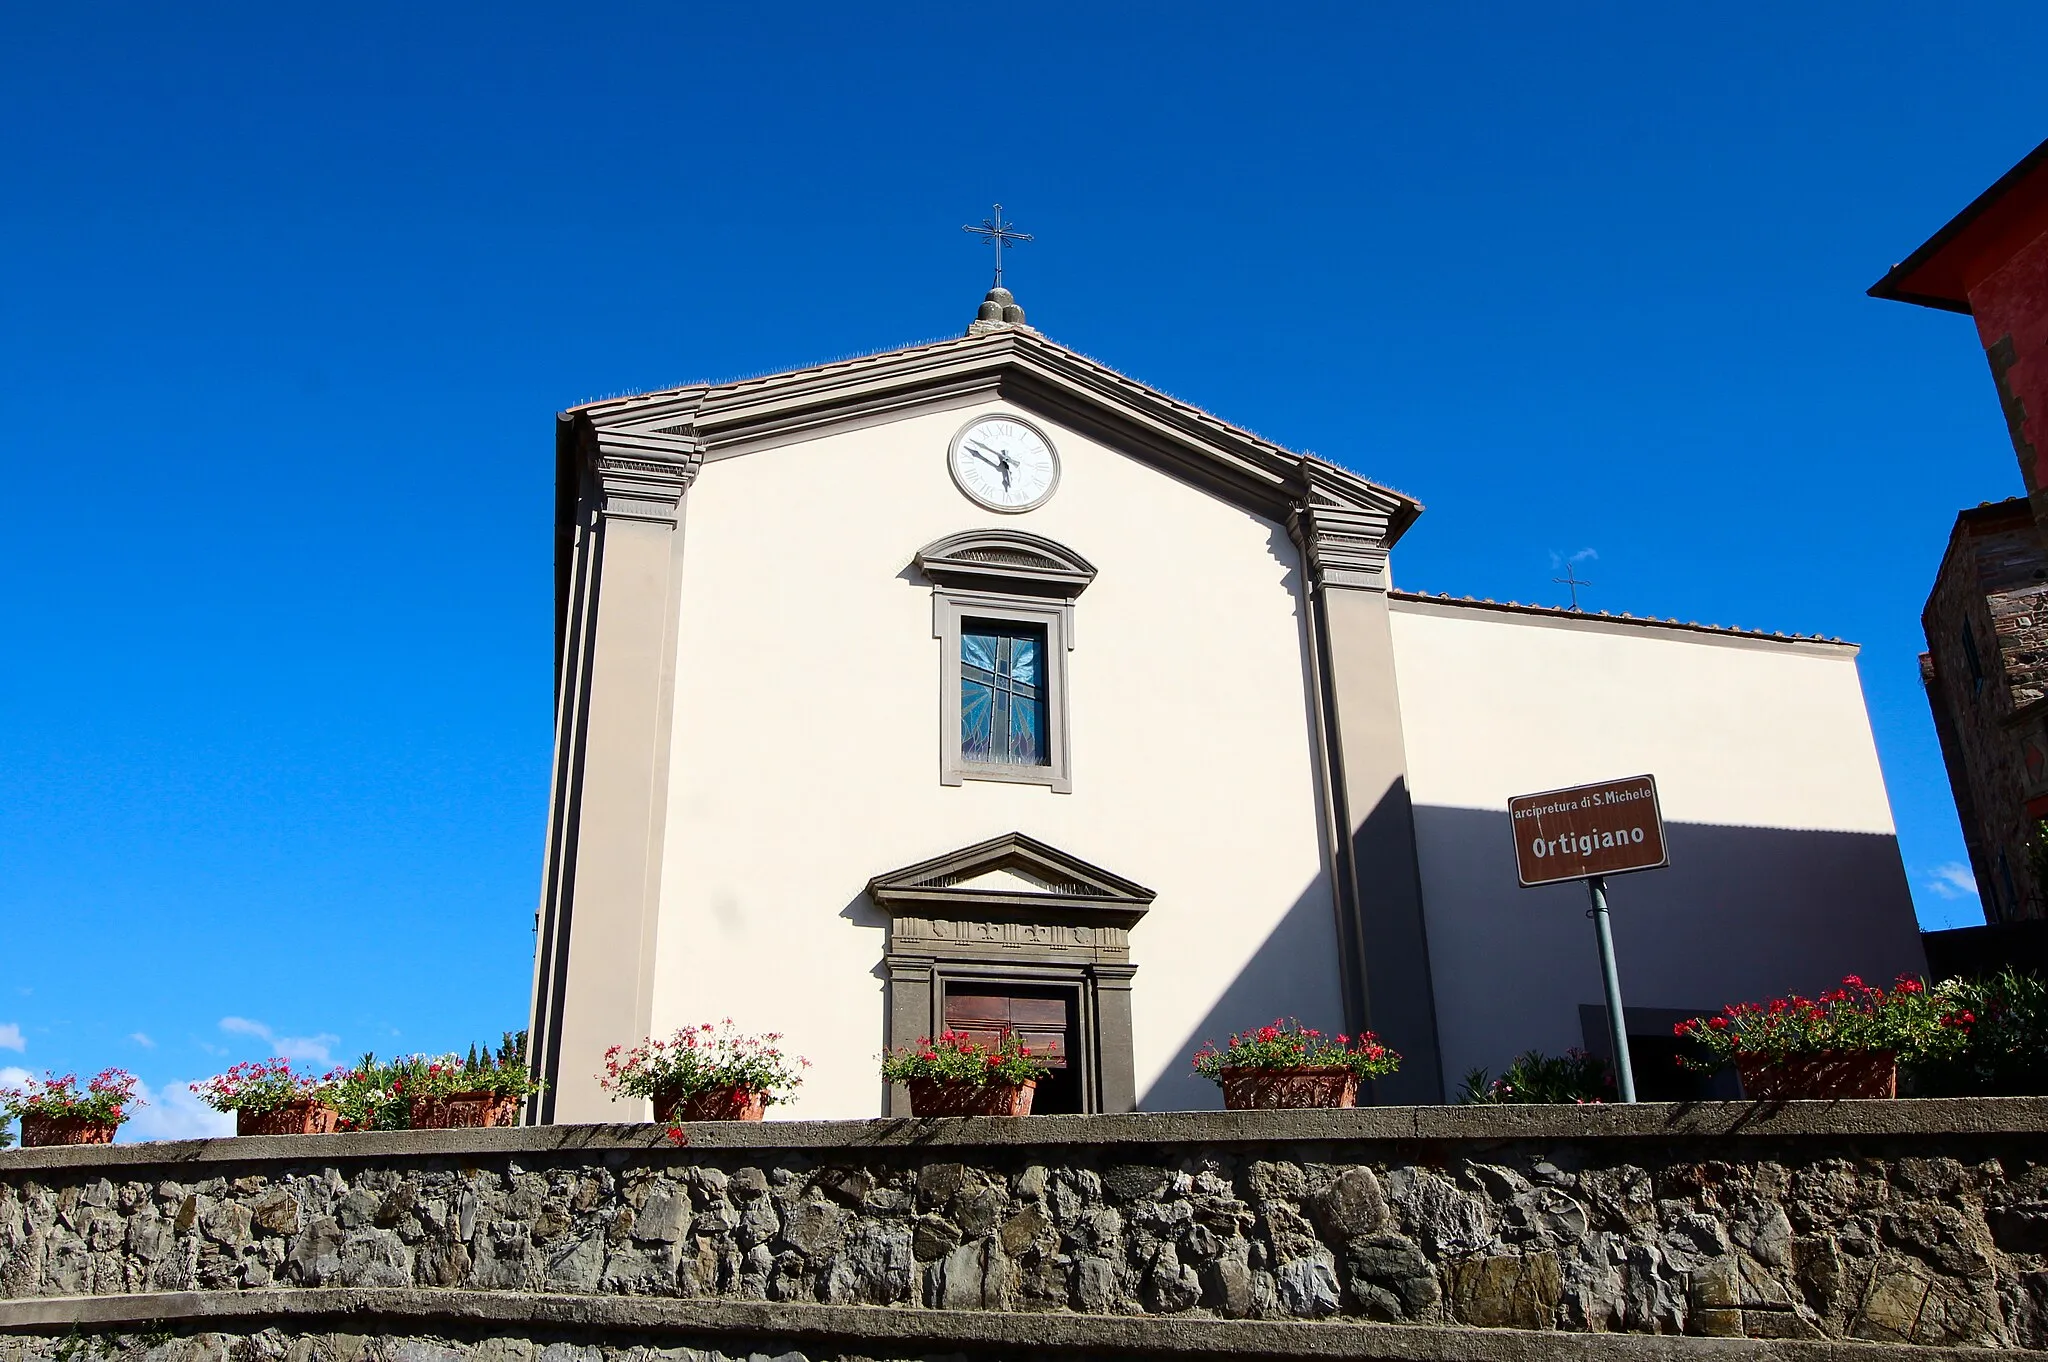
(1345, 526)
(641, 473)
(1006, 560)
(1017, 365)
(1073, 888)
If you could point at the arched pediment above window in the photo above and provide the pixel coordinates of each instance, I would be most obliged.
(1006, 560)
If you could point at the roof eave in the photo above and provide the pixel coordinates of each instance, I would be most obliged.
(1893, 287)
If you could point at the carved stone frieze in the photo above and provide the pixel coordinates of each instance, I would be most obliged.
(921, 934)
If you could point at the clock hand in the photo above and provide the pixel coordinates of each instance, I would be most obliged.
(1002, 456)
(985, 458)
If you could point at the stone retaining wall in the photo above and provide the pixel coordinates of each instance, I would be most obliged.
(1904, 1222)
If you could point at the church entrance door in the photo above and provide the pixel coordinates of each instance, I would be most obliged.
(1045, 1019)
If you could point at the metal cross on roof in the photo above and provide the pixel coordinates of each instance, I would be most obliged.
(1572, 580)
(1000, 234)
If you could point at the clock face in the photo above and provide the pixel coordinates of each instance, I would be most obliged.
(1004, 464)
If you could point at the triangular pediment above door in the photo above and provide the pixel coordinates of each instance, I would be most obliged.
(1011, 875)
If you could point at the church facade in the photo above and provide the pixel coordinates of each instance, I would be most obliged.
(974, 683)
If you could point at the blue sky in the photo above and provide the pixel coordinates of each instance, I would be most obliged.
(288, 299)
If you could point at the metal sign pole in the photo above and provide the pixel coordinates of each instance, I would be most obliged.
(1617, 1025)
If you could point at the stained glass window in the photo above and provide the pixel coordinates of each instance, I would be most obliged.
(1002, 694)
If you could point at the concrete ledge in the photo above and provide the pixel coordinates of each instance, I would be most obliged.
(316, 1309)
(1717, 1121)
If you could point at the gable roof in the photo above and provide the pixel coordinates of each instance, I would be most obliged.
(1975, 242)
(718, 420)
(652, 445)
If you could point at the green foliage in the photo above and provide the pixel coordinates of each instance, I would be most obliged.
(704, 1058)
(369, 1096)
(1290, 1045)
(377, 1094)
(1534, 1077)
(2007, 1053)
(1911, 1021)
(502, 1071)
(958, 1058)
(79, 1346)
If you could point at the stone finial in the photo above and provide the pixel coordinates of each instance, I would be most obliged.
(998, 311)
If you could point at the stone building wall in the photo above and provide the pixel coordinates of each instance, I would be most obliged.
(1904, 1222)
(1993, 583)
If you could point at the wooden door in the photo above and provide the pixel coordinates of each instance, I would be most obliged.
(1044, 1019)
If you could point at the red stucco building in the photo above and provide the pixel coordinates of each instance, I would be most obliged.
(1986, 620)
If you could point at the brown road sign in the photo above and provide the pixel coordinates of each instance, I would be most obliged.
(1605, 829)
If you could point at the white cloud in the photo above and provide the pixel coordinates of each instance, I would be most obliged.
(142, 1038)
(11, 1077)
(1953, 880)
(10, 1037)
(174, 1112)
(319, 1049)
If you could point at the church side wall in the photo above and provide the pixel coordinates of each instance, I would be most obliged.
(1785, 871)
(806, 750)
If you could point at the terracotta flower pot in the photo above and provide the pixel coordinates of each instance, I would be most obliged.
(714, 1104)
(48, 1130)
(464, 1111)
(293, 1118)
(930, 1097)
(1823, 1077)
(1271, 1089)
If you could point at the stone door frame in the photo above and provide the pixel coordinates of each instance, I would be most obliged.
(1015, 910)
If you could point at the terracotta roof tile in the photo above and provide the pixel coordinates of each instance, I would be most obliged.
(1564, 612)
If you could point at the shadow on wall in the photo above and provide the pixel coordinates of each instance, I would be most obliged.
(1292, 974)
(1740, 913)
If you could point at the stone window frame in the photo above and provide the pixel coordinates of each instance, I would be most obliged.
(1007, 578)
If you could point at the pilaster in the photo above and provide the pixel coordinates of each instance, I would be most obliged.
(594, 968)
(1116, 1048)
(1383, 942)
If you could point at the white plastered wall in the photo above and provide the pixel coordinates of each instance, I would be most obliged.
(1785, 871)
(806, 747)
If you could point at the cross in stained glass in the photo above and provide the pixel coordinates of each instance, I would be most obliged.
(1002, 695)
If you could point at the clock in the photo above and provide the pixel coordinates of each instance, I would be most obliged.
(1004, 463)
